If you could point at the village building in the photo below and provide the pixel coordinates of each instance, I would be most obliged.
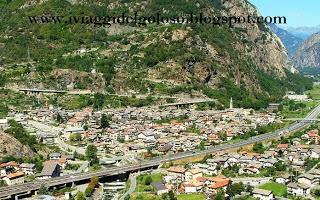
(262, 194)
(14, 178)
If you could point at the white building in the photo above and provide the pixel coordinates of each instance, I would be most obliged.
(28, 168)
(14, 178)
(297, 97)
(283, 179)
(315, 153)
(4, 124)
(262, 194)
(298, 189)
(308, 179)
(192, 174)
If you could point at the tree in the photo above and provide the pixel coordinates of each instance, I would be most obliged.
(75, 137)
(220, 195)
(98, 100)
(249, 188)
(105, 121)
(280, 166)
(91, 153)
(80, 196)
(280, 107)
(2, 80)
(315, 193)
(2, 183)
(148, 180)
(201, 146)
(43, 190)
(85, 127)
(127, 197)
(88, 192)
(59, 118)
(169, 196)
(120, 139)
(18, 132)
(258, 147)
(222, 136)
(94, 181)
(235, 189)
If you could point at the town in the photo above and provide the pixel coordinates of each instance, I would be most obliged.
(85, 140)
(219, 101)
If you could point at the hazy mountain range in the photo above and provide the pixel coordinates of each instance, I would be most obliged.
(302, 32)
(302, 44)
(289, 40)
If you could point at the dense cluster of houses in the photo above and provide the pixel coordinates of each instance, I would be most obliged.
(140, 128)
(185, 180)
(301, 185)
(193, 179)
(14, 173)
(134, 130)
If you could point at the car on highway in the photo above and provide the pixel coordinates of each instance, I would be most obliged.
(280, 133)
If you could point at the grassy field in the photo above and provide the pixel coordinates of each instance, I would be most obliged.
(314, 93)
(156, 177)
(145, 196)
(302, 112)
(276, 188)
(196, 196)
(142, 187)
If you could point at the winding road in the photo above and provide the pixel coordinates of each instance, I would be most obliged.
(133, 185)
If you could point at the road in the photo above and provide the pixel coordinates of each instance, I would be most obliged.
(55, 131)
(35, 185)
(133, 185)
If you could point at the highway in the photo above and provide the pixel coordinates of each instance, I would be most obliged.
(35, 185)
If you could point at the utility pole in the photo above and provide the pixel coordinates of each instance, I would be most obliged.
(29, 54)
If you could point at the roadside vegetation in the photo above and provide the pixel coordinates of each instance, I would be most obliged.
(292, 109)
(314, 93)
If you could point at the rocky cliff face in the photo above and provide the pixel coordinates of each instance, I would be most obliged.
(268, 52)
(308, 55)
(290, 41)
(230, 52)
(9, 146)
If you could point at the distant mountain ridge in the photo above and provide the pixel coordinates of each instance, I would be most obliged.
(302, 32)
(308, 54)
(290, 41)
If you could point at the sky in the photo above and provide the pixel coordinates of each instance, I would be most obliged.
(299, 13)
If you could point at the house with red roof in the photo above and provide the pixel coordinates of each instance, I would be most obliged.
(219, 182)
(8, 167)
(313, 136)
(14, 178)
(283, 146)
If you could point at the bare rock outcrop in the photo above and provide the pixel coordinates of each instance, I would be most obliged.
(9, 146)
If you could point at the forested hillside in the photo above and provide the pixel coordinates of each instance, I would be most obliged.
(248, 64)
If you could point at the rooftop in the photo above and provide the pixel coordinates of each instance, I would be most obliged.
(261, 192)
